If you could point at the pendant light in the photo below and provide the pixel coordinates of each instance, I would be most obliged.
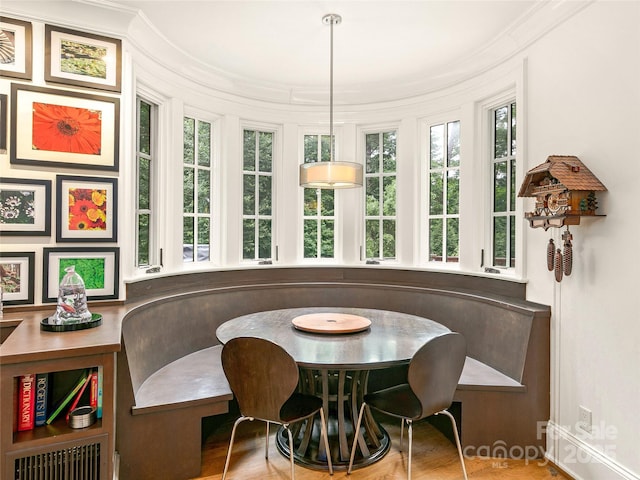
(331, 174)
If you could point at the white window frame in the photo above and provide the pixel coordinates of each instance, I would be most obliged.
(426, 175)
(483, 111)
(154, 176)
(362, 134)
(275, 161)
(336, 230)
(509, 212)
(423, 172)
(213, 245)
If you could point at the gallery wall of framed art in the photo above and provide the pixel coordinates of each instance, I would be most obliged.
(60, 94)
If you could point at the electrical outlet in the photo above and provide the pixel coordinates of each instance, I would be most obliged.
(584, 419)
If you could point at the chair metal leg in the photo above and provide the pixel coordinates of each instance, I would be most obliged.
(356, 431)
(410, 432)
(402, 434)
(233, 434)
(325, 434)
(455, 434)
(286, 427)
(266, 448)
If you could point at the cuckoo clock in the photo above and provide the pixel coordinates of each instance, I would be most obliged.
(565, 191)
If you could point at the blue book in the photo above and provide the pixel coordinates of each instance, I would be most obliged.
(100, 380)
(41, 403)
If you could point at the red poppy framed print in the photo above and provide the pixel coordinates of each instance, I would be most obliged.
(87, 209)
(17, 271)
(60, 128)
(15, 48)
(82, 59)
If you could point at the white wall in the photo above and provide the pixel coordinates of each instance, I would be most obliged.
(578, 91)
(583, 99)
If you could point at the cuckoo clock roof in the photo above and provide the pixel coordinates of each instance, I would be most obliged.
(567, 169)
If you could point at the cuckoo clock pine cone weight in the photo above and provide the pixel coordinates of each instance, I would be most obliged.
(567, 253)
(558, 265)
(551, 248)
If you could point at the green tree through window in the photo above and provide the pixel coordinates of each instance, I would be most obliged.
(444, 192)
(380, 195)
(145, 137)
(319, 211)
(196, 193)
(504, 186)
(257, 195)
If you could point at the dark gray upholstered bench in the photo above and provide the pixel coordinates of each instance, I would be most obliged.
(170, 376)
(480, 376)
(195, 379)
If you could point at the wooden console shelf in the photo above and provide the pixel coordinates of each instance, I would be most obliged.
(57, 449)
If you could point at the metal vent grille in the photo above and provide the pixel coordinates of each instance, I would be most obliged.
(74, 463)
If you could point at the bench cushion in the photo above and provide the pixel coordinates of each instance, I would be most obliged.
(194, 379)
(480, 376)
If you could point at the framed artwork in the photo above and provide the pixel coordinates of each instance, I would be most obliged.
(55, 128)
(98, 267)
(25, 207)
(3, 123)
(16, 277)
(82, 59)
(87, 209)
(15, 48)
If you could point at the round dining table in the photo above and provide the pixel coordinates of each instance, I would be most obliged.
(335, 365)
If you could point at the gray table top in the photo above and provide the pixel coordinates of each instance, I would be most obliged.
(392, 339)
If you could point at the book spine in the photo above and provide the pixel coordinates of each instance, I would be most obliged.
(26, 402)
(42, 388)
(100, 381)
(93, 397)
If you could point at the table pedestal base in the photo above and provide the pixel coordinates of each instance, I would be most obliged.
(342, 392)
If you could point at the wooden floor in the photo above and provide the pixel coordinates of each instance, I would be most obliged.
(434, 457)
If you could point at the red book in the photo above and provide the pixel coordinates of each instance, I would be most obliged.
(93, 398)
(26, 402)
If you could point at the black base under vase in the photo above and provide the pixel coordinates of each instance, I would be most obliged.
(47, 326)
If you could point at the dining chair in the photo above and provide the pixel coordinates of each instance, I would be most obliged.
(263, 378)
(432, 378)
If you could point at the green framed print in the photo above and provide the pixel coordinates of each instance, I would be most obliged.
(87, 209)
(16, 48)
(99, 268)
(82, 59)
(59, 128)
(25, 207)
(17, 271)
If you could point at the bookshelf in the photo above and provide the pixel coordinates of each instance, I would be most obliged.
(56, 449)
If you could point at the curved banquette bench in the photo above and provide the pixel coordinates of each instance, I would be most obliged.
(169, 376)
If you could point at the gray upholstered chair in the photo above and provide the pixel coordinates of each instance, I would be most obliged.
(263, 378)
(432, 379)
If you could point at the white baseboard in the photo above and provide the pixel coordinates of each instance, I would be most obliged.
(581, 460)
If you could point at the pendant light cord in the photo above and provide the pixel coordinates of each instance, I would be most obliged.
(332, 21)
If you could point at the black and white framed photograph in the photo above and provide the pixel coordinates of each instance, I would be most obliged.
(16, 48)
(25, 207)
